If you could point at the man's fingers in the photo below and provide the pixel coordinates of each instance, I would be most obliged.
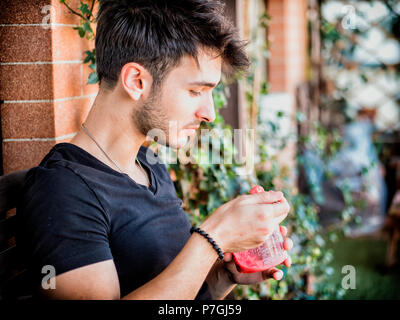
(288, 244)
(262, 197)
(288, 261)
(273, 273)
(283, 231)
(232, 267)
(277, 211)
(228, 256)
(278, 275)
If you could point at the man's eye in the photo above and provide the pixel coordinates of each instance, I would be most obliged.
(194, 93)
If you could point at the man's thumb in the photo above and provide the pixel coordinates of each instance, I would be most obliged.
(228, 257)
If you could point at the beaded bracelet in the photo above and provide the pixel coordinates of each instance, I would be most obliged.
(210, 240)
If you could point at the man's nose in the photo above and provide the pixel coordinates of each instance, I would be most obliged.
(206, 110)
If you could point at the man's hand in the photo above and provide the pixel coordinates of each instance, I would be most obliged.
(252, 216)
(250, 278)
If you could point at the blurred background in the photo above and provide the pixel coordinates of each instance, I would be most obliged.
(322, 95)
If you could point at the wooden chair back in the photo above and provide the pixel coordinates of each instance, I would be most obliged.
(13, 272)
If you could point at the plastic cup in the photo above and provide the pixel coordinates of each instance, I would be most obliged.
(270, 254)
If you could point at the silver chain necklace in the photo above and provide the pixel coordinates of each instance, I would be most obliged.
(137, 160)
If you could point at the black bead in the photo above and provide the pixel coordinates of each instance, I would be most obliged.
(209, 239)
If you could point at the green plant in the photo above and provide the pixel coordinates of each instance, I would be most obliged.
(86, 29)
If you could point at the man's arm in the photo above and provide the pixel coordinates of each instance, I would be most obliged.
(182, 279)
(252, 216)
(219, 282)
(184, 276)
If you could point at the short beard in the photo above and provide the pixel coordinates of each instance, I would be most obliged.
(150, 115)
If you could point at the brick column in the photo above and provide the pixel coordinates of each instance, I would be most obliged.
(287, 34)
(43, 86)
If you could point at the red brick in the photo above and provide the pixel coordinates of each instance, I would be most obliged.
(27, 120)
(22, 44)
(63, 15)
(67, 80)
(286, 66)
(21, 155)
(26, 82)
(68, 45)
(17, 11)
(69, 115)
(277, 86)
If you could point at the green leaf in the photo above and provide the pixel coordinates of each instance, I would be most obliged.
(85, 9)
(93, 78)
(90, 56)
(264, 88)
(249, 98)
(364, 78)
(81, 31)
(87, 59)
(86, 26)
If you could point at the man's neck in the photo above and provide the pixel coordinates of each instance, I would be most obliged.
(111, 126)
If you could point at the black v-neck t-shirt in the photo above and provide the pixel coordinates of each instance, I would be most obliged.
(75, 211)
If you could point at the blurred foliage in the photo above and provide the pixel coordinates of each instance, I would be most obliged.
(347, 50)
(203, 187)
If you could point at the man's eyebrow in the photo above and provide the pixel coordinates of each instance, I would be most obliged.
(203, 84)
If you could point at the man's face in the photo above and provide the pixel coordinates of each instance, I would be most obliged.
(183, 101)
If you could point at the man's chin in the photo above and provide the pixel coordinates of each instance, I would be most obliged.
(178, 142)
(173, 144)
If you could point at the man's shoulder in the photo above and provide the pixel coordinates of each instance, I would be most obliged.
(48, 190)
(58, 177)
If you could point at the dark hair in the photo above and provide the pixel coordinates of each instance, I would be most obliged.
(158, 33)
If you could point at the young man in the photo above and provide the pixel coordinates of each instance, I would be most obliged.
(112, 227)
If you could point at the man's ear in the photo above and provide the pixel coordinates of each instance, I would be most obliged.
(135, 80)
